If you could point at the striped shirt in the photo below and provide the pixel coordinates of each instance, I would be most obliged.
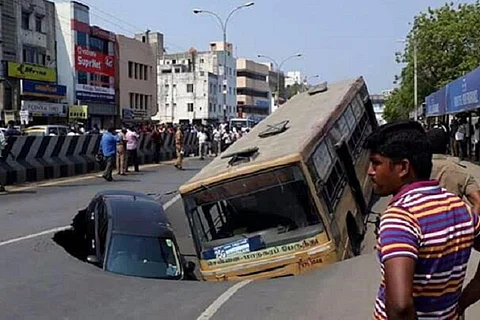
(436, 229)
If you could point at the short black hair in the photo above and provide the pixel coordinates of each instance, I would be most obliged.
(438, 140)
(403, 140)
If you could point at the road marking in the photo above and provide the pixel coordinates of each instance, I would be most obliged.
(35, 235)
(54, 230)
(224, 297)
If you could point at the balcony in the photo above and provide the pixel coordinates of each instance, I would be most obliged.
(34, 38)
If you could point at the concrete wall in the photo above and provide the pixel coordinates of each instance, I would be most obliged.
(65, 44)
(131, 50)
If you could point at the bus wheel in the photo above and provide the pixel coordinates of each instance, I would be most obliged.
(353, 235)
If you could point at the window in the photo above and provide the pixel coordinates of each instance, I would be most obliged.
(137, 97)
(190, 107)
(334, 185)
(210, 107)
(141, 101)
(202, 60)
(136, 70)
(189, 87)
(81, 39)
(145, 73)
(99, 45)
(25, 20)
(82, 77)
(34, 55)
(130, 69)
(38, 23)
(132, 99)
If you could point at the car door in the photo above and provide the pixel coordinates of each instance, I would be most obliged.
(101, 226)
(90, 227)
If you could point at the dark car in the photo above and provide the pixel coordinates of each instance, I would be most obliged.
(128, 233)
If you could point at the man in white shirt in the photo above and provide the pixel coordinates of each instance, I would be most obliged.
(132, 145)
(202, 142)
(460, 137)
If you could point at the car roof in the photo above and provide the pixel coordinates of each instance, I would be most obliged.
(122, 193)
(138, 216)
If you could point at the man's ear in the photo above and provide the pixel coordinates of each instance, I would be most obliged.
(404, 168)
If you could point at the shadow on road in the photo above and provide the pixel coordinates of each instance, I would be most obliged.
(6, 193)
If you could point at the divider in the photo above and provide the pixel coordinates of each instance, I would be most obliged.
(40, 158)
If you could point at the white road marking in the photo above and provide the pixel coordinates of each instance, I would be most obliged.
(54, 230)
(224, 297)
(35, 235)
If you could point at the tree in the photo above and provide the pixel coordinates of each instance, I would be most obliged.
(448, 43)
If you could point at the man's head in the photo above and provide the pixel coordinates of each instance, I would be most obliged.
(438, 140)
(112, 130)
(399, 154)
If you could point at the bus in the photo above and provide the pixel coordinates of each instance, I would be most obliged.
(292, 195)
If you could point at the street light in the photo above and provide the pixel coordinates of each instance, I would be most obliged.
(224, 25)
(279, 67)
(415, 80)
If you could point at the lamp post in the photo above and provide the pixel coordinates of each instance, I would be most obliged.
(279, 67)
(415, 77)
(224, 25)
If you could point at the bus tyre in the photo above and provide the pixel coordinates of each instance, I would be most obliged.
(355, 238)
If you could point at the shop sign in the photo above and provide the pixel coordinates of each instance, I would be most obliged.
(24, 116)
(102, 34)
(94, 62)
(42, 108)
(436, 103)
(43, 89)
(127, 114)
(78, 112)
(95, 94)
(262, 104)
(31, 72)
(463, 93)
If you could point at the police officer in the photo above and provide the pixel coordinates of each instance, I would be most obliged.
(452, 175)
(179, 148)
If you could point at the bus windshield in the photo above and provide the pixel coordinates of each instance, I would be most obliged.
(275, 207)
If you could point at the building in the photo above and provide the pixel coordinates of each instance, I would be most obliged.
(294, 77)
(253, 91)
(86, 65)
(28, 88)
(191, 88)
(378, 101)
(274, 76)
(136, 80)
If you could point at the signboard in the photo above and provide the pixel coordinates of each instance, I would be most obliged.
(462, 94)
(262, 104)
(127, 114)
(31, 72)
(24, 116)
(102, 34)
(94, 62)
(436, 103)
(96, 94)
(42, 89)
(78, 112)
(42, 108)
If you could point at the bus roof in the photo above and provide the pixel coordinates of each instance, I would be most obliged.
(309, 115)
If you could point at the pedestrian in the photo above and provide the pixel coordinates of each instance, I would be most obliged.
(108, 146)
(217, 141)
(476, 141)
(132, 145)
(157, 144)
(202, 142)
(461, 139)
(423, 264)
(3, 146)
(179, 148)
(122, 152)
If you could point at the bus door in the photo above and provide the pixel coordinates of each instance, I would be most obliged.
(347, 160)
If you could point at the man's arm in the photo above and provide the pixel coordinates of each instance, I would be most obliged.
(399, 288)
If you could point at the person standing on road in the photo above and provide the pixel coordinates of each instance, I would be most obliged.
(108, 146)
(461, 139)
(179, 148)
(157, 144)
(3, 146)
(217, 141)
(423, 266)
(132, 145)
(202, 142)
(122, 152)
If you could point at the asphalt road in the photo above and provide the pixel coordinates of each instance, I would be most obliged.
(40, 280)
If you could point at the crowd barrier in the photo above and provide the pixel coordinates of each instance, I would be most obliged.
(38, 158)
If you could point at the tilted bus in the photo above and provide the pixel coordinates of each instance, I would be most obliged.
(290, 196)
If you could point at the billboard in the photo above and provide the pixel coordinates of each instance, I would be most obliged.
(31, 72)
(88, 93)
(44, 109)
(42, 89)
(94, 62)
(436, 103)
(78, 112)
(462, 94)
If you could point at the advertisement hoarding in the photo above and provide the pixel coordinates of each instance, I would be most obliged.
(31, 72)
(462, 94)
(96, 94)
(436, 103)
(94, 62)
(42, 89)
(40, 108)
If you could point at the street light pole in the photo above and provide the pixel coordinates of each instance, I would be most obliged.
(279, 67)
(224, 25)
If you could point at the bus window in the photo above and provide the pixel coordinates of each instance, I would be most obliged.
(243, 208)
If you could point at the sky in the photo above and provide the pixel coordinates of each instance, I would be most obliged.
(338, 39)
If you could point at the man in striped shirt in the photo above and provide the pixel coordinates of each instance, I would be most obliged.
(426, 233)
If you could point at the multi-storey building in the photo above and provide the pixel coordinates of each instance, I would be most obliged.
(28, 88)
(136, 81)
(86, 65)
(378, 101)
(190, 86)
(253, 90)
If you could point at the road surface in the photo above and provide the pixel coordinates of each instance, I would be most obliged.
(39, 279)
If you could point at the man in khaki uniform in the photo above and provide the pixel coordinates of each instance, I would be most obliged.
(179, 148)
(452, 175)
(455, 178)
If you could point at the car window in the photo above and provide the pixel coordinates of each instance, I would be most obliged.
(52, 131)
(102, 220)
(63, 131)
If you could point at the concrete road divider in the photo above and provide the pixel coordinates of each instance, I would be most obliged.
(32, 158)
